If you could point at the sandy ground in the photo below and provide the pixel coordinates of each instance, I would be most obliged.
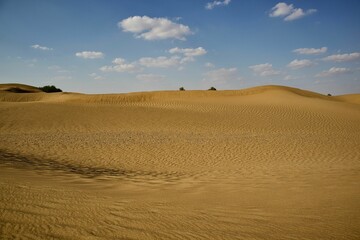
(263, 163)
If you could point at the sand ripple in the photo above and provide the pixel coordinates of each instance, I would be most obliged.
(261, 163)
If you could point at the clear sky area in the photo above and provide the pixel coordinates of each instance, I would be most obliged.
(114, 46)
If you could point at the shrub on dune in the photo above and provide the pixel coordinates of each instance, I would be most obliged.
(50, 89)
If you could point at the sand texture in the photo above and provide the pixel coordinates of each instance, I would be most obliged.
(268, 162)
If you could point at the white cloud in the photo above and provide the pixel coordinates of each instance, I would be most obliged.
(120, 65)
(154, 28)
(150, 77)
(211, 5)
(37, 46)
(343, 57)
(299, 13)
(89, 55)
(120, 68)
(333, 71)
(310, 51)
(96, 76)
(281, 9)
(264, 70)
(209, 65)
(289, 12)
(189, 52)
(119, 61)
(186, 60)
(297, 64)
(221, 75)
(160, 62)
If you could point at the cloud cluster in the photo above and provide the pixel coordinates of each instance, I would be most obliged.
(211, 5)
(154, 28)
(289, 12)
(187, 55)
(334, 71)
(209, 65)
(89, 55)
(310, 51)
(120, 65)
(96, 76)
(298, 64)
(37, 46)
(264, 70)
(160, 62)
(347, 57)
(189, 52)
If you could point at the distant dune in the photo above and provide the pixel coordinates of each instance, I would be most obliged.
(268, 162)
(19, 88)
(350, 98)
(7, 94)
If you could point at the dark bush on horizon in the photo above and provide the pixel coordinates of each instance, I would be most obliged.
(182, 89)
(329, 95)
(50, 89)
(212, 89)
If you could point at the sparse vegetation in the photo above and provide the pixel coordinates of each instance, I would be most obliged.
(212, 89)
(329, 95)
(50, 89)
(182, 89)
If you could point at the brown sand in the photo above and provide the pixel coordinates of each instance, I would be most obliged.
(262, 163)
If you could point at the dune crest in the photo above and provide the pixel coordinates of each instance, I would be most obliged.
(18, 88)
(8, 93)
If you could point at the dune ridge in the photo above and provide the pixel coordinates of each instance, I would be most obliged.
(29, 96)
(268, 162)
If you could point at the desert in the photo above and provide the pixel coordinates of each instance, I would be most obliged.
(268, 162)
(179, 120)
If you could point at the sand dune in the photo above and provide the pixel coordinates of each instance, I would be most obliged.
(351, 98)
(8, 95)
(268, 162)
(19, 88)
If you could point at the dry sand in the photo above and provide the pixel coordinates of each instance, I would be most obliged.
(262, 163)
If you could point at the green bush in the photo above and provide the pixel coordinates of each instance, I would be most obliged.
(182, 89)
(212, 89)
(50, 89)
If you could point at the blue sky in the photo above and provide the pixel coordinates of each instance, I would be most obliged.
(95, 46)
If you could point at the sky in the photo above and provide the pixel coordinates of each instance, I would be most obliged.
(115, 46)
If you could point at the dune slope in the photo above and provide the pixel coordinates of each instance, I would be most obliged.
(18, 88)
(268, 162)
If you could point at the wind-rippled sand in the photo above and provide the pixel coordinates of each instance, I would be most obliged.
(262, 163)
